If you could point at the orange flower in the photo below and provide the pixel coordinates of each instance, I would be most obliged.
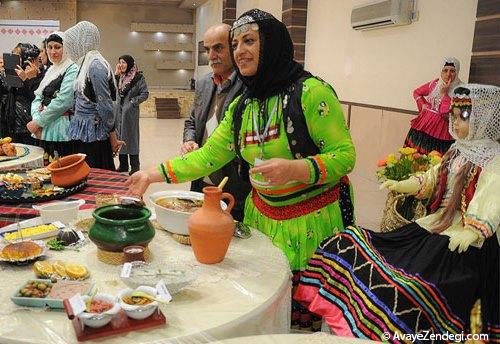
(435, 153)
(382, 163)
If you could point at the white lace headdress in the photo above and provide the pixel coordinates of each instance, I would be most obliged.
(481, 144)
(82, 42)
(55, 69)
(435, 96)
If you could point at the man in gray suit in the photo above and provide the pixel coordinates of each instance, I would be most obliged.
(214, 93)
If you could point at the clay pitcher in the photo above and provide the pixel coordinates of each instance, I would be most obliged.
(210, 227)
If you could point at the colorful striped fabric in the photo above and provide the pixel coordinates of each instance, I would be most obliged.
(369, 296)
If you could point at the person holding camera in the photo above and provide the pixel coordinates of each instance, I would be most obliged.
(16, 107)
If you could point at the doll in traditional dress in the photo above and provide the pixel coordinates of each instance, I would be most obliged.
(427, 275)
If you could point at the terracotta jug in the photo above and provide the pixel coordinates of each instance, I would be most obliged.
(210, 227)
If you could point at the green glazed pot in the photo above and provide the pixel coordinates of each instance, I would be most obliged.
(117, 226)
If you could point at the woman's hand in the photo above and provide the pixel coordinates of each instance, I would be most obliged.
(116, 144)
(117, 69)
(445, 88)
(21, 73)
(278, 171)
(33, 127)
(31, 70)
(138, 183)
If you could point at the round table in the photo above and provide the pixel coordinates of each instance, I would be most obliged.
(314, 338)
(246, 294)
(34, 159)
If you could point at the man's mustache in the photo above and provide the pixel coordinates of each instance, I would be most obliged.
(212, 62)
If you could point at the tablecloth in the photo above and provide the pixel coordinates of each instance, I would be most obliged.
(98, 182)
(246, 294)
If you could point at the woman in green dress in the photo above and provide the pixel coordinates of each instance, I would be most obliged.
(288, 127)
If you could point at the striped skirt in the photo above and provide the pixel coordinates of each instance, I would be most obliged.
(381, 285)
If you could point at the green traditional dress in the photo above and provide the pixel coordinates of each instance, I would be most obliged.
(296, 216)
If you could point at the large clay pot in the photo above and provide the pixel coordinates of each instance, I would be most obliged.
(118, 226)
(211, 228)
(69, 170)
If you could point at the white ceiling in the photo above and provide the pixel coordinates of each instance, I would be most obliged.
(179, 3)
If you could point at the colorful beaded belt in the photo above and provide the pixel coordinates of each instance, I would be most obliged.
(305, 207)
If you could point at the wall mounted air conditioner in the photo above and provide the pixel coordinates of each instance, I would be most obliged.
(382, 13)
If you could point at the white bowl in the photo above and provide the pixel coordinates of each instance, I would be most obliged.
(139, 312)
(59, 211)
(96, 320)
(175, 221)
(176, 275)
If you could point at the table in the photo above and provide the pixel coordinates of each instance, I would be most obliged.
(34, 159)
(98, 182)
(315, 338)
(246, 294)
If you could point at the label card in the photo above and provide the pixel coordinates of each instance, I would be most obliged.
(77, 304)
(163, 292)
(126, 270)
(58, 224)
(80, 235)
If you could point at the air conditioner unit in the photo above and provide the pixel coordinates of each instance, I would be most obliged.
(382, 13)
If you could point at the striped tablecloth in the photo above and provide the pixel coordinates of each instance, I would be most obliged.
(98, 182)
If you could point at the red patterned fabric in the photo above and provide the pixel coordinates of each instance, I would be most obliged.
(298, 209)
(443, 178)
(98, 182)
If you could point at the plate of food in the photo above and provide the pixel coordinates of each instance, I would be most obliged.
(27, 186)
(22, 252)
(10, 150)
(24, 230)
(46, 293)
(176, 275)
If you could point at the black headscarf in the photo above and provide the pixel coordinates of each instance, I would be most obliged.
(54, 37)
(276, 70)
(130, 62)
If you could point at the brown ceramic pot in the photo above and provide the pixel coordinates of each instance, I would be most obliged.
(210, 227)
(69, 170)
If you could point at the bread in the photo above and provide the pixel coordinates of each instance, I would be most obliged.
(9, 149)
(21, 250)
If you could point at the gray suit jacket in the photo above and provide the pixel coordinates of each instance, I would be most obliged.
(194, 128)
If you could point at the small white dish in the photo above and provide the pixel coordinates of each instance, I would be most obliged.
(176, 275)
(96, 320)
(139, 312)
(59, 211)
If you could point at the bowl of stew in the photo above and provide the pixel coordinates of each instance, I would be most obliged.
(173, 208)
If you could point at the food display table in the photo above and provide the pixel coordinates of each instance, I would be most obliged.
(98, 182)
(246, 294)
(34, 159)
(315, 338)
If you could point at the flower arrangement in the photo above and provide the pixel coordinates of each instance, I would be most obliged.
(408, 163)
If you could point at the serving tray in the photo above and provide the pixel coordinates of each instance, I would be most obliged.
(27, 197)
(120, 324)
(45, 301)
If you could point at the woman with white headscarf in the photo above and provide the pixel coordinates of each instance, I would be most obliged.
(92, 126)
(429, 131)
(53, 105)
(424, 277)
